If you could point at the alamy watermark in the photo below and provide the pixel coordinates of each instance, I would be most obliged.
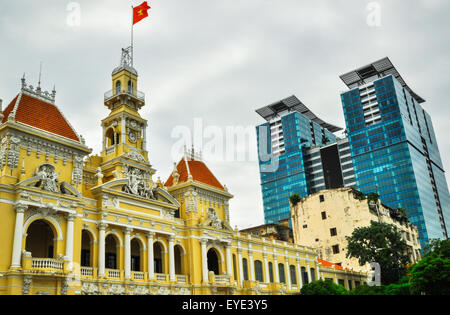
(74, 14)
(374, 17)
(225, 144)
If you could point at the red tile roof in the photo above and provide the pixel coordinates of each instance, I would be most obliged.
(40, 114)
(328, 264)
(199, 171)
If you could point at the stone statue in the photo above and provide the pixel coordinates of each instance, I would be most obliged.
(137, 184)
(48, 178)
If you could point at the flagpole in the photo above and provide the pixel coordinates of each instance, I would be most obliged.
(132, 43)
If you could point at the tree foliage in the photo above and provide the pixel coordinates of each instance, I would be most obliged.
(295, 199)
(323, 287)
(431, 275)
(381, 243)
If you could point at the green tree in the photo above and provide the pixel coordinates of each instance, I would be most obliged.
(323, 287)
(365, 289)
(431, 275)
(381, 243)
(295, 199)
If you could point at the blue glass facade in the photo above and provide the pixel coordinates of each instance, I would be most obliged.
(297, 133)
(395, 153)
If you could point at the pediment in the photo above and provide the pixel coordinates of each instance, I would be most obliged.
(213, 221)
(120, 187)
(59, 188)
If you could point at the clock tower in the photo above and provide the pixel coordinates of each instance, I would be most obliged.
(124, 130)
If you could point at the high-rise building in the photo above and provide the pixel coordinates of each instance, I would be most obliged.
(394, 147)
(286, 143)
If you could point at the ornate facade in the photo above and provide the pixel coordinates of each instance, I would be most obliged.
(76, 223)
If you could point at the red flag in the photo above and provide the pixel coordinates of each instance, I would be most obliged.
(140, 12)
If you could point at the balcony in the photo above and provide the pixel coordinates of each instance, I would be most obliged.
(138, 275)
(132, 93)
(44, 265)
(182, 279)
(47, 263)
(113, 273)
(87, 271)
(161, 277)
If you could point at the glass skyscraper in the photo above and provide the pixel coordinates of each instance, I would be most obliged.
(394, 147)
(289, 158)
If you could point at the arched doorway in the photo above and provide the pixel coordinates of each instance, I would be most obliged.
(213, 261)
(158, 258)
(111, 255)
(178, 253)
(135, 255)
(86, 250)
(40, 241)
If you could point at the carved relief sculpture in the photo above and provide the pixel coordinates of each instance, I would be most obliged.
(138, 183)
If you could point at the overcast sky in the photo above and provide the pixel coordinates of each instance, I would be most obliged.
(219, 60)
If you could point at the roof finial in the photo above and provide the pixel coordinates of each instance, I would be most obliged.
(38, 89)
(54, 93)
(24, 85)
(40, 74)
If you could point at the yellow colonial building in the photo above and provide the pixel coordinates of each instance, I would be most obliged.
(76, 223)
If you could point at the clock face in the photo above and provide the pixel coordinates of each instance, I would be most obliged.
(132, 136)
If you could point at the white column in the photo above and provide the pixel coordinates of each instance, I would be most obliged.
(101, 249)
(123, 127)
(318, 272)
(171, 258)
(308, 270)
(104, 138)
(204, 261)
(266, 267)
(241, 269)
(150, 257)
(144, 134)
(69, 239)
(275, 266)
(252, 265)
(288, 273)
(127, 253)
(299, 271)
(229, 264)
(18, 236)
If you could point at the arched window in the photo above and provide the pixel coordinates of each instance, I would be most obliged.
(281, 273)
(271, 272)
(245, 268)
(158, 258)
(135, 255)
(178, 253)
(234, 267)
(110, 137)
(304, 276)
(118, 87)
(111, 252)
(213, 261)
(293, 274)
(313, 274)
(130, 87)
(86, 242)
(259, 271)
(40, 240)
